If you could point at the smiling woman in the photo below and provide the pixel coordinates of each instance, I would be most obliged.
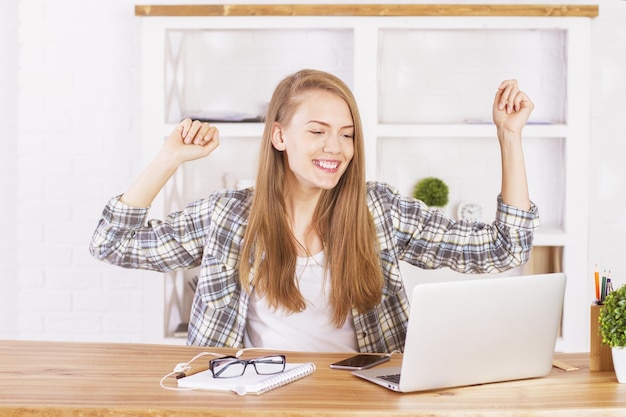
(316, 148)
(308, 258)
(317, 142)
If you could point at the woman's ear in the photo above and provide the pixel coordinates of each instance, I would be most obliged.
(277, 138)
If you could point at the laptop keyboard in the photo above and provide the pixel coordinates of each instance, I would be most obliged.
(395, 378)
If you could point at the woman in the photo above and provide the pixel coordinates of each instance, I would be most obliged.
(308, 259)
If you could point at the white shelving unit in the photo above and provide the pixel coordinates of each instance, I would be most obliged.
(424, 85)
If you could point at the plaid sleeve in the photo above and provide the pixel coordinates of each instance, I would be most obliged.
(124, 238)
(428, 239)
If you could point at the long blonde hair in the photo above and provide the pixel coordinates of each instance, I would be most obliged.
(341, 217)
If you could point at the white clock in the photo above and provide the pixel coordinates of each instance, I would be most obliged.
(468, 210)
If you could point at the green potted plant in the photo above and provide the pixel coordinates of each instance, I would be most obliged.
(612, 322)
(432, 191)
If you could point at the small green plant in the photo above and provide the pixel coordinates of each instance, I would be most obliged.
(612, 318)
(432, 191)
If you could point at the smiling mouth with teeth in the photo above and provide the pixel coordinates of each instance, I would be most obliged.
(327, 164)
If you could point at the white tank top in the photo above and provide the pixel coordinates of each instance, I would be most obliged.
(310, 330)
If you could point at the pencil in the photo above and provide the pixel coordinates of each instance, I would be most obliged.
(596, 276)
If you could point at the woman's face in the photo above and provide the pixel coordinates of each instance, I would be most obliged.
(318, 141)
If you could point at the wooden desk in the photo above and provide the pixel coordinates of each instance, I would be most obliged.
(89, 379)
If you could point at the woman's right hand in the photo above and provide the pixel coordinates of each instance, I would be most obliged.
(191, 140)
(188, 141)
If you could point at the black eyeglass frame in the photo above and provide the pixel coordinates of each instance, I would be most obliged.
(245, 362)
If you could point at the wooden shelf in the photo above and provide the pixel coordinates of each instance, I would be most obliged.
(535, 10)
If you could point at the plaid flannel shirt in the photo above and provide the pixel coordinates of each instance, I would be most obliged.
(208, 233)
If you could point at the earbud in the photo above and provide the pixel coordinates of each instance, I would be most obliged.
(180, 367)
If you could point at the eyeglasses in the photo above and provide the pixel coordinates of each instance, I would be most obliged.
(231, 366)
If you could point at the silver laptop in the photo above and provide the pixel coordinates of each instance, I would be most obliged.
(477, 331)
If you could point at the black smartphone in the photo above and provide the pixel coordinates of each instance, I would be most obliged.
(360, 361)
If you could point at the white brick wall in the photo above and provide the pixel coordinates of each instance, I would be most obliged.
(76, 112)
(69, 118)
(8, 166)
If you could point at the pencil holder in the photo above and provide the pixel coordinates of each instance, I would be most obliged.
(600, 357)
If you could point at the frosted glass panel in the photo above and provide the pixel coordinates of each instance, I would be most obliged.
(450, 76)
(471, 168)
(229, 75)
(232, 165)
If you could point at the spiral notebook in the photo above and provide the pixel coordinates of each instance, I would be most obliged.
(250, 382)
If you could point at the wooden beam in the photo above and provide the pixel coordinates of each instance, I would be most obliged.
(535, 10)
